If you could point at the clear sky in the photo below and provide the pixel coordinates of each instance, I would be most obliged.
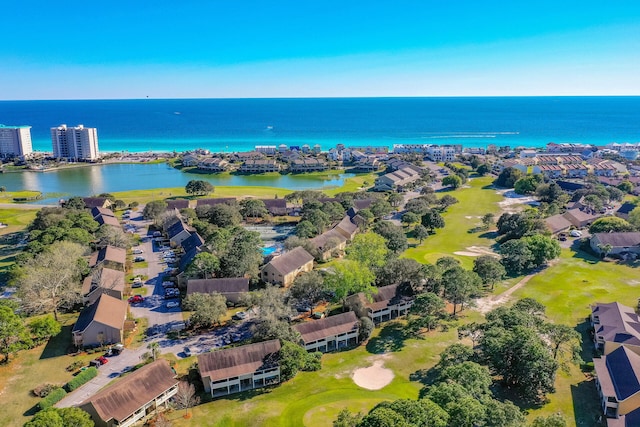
(304, 48)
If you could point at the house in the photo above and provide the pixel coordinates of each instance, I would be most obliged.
(232, 288)
(620, 243)
(396, 181)
(549, 171)
(625, 209)
(367, 164)
(307, 164)
(213, 202)
(360, 204)
(284, 268)
(557, 223)
(96, 202)
(177, 204)
(618, 384)
(604, 169)
(386, 304)
(103, 281)
(100, 211)
(190, 160)
(139, 394)
(110, 221)
(259, 166)
(276, 207)
(615, 324)
(328, 243)
(215, 164)
(179, 231)
(109, 256)
(576, 170)
(330, 333)
(241, 368)
(580, 218)
(194, 241)
(348, 227)
(100, 323)
(244, 156)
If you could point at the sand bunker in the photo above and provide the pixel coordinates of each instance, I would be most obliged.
(374, 377)
(476, 251)
(465, 253)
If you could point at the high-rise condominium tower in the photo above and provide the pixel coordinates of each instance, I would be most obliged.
(15, 141)
(75, 143)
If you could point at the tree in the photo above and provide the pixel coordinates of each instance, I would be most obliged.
(334, 210)
(308, 288)
(305, 229)
(393, 234)
(528, 184)
(253, 208)
(113, 236)
(542, 248)
(420, 205)
(516, 256)
(186, 397)
(75, 202)
(403, 271)
(119, 204)
(61, 417)
(475, 378)
(625, 186)
(503, 414)
(610, 224)
(199, 187)
(420, 232)
(508, 177)
(350, 277)
(483, 169)
(593, 202)
(242, 255)
(154, 209)
(555, 420)
(447, 200)
(460, 285)
(428, 309)
(488, 220)
(395, 199)
(52, 279)
(380, 416)
(421, 412)
(515, 226)
(293, 357)
(368, 249)
(560, 337)
(410, 218)
(347, 419)
(454, 355)
(207, 309)
(44, 328)
(551, 193)
(13, 334)
(203, 266)
(380, 208)
(453, 181)
(153, 353)
(366, 328)
(489, 269)
(634, 217)
(432, 220)
(224, 215)
(318, 219)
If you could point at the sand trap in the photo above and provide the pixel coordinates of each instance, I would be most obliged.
(476, 251)
(465, 253)
(374, 377)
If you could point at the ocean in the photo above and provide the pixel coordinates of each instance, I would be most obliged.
(229, 125)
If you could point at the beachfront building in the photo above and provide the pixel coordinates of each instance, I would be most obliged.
(213, 164)
(133, 398)
(259, 166)
(15, 141)
(308, 164)
(238, 369)
(75, 143)
(330, 333)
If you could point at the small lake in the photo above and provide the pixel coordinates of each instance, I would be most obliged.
(96, 179)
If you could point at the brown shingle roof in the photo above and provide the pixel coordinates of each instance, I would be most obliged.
(557, 223)
(92, 202)
(213, 202)
(121, 399)
(327, 327)
(237, 361)
(276, 206)
(290, 261)
(619, 239)
(232, 288)
(110, 254)
(177, 204)
(109, 278)
(347, 226)
(107, 310)
(332, 236)
(107, 220)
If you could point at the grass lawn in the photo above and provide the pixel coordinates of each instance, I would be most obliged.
(361, 180)
(474, 202)
(17, 220)
(45, 363)
(8, 196)
(567, 289)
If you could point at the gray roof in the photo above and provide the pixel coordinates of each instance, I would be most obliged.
(557, 223)
(291, 261)
(177, 204)
(233, 362)
(213, 202)
(616, 321)
(327, 327)
(231, 287)
(619, 373)
(332, 236)
(618, 240)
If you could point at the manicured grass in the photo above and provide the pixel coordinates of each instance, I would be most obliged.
(8, 196)
(474, 202)
(361, 180)
(17, 219)
(567, 289)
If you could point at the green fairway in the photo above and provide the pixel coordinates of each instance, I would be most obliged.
(474, 201)
(9, 196)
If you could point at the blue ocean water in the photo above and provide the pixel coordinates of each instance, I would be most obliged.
(240, 124)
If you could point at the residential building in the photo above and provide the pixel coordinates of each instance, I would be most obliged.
(329, 243)
(15, 141)
(580, 218)
(232, 288)
(604, 169)
(179, 231)
(615, 324)
(367, 164)
(330, 333)
(111, 221)
(266, 149)
(551, 171)
(396, 181)
(99, 202)
(109, 256)
(284, 268)
(215, 164)
(576, 170)
(308, 164)
(348, 227)
(177, 204)
(244, 156)
(276, 207)
(619, 243)
(103, 281)
(75, 143)
(101, 323)
(260, 166)
(100, 211)
(190, 160)
(134, 397)
(557, 223)
(213, 202)
(388, 303)
(241, 368)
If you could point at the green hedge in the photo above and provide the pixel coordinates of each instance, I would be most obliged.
(52, 398)
(82, 378)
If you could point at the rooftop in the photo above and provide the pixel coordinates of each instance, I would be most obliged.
(233, 362)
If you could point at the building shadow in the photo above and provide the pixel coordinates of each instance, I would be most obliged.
(391, 338)
(586, 405)
(58, 345)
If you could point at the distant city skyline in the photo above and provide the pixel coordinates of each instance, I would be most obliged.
(253, 49)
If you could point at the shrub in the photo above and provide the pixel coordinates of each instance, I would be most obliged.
(43, 390)
(82, 378)
(54, 396)
(75, 366)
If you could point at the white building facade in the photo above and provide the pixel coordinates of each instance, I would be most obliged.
(15, 141)
(75, 143)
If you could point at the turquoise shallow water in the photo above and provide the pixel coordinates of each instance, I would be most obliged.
(240, 124)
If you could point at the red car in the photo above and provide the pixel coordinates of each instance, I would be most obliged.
(99, 361)
(136, 299)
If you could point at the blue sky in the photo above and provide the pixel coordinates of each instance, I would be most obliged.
(209, 49)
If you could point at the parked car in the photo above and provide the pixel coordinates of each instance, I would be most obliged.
(575, 233)
(138, 251)
(157, 234)
(137, 284)
(138, 259)
(187, 352)
(173, 304)
(136, 299)
(240, 315)
(99, 361)
(114, 350)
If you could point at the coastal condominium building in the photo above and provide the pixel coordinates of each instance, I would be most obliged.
(75, 143)
(15, 141)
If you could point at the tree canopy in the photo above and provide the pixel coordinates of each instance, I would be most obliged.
(199, 187)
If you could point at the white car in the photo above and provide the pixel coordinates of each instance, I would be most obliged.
(138, 251)
(575, 233)
(173, 304)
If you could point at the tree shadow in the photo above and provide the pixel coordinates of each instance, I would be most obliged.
(489, 235)
(58, 345)
(391, 338)
(425, 377)
(585, 256)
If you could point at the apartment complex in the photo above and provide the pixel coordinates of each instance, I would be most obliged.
(15, 141)
(75, 143)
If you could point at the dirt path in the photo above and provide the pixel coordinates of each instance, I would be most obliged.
(485, 305)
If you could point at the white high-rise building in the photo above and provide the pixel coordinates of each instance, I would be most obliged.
(15, 141)
(75, 143)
